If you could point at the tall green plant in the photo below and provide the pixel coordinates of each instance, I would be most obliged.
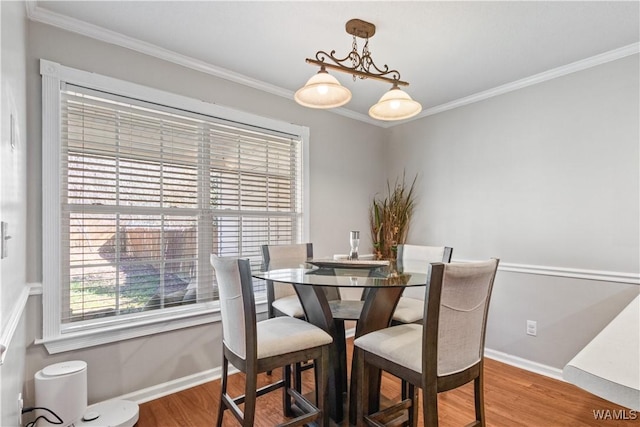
(390, 217)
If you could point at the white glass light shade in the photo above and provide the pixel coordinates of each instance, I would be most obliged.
(395, 105)
(322, 91)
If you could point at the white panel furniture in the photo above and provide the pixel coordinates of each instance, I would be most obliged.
(609, 366)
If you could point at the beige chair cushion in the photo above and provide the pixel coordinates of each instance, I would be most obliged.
(286, 256)
(351, 294)
(400, 344)
(289, 305)
(416, 259)
(281, 335)
(283, 290)
(409, 310)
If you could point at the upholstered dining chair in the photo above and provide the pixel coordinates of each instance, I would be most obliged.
(254, 347)
(282, 299)
(416, 258)
(444, 352)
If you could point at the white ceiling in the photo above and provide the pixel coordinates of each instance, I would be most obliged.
(447, 51)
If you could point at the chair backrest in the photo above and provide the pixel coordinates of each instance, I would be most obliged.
(284, 256)
(237, 305)
(416, 259)
(455, 318)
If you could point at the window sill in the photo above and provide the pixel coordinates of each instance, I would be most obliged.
(79, 339)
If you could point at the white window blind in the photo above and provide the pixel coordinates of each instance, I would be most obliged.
(148, 192)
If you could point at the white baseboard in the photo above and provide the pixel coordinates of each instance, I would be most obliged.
(527, 365)
(175, 386)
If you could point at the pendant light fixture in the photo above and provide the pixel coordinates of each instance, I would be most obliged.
(324, 91)
(395, 105)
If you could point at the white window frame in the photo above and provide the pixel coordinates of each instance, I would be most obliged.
(58, 338)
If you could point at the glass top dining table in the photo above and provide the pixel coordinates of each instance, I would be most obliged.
(375, 276)
(317, 284)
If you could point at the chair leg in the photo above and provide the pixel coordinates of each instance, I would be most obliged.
(362, 395)
(250, 388)
(297, 373)
(430, 406)
(223, 390)
(412, 393)
(405, 389)
(321, 368)
(478, 386)
(286, 399)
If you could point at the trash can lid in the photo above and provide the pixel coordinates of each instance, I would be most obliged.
(64, 368)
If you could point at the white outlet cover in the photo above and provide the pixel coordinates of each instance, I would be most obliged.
(532, 327)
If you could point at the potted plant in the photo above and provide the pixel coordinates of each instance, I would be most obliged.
(390, 217)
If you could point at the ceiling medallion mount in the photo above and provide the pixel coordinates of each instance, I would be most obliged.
(360, 28)
(324, 91)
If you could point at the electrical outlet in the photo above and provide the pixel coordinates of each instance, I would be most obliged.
(532, 328)
(20, 406)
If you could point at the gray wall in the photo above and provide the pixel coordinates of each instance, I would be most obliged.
(340, 150)
(546, 176)
(13, 202)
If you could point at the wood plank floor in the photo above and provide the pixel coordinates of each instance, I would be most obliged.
(513, 397)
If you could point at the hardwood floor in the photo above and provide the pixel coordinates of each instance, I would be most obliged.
(513, 397)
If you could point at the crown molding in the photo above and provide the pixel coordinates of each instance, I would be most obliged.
(38, 14)
(580, 65)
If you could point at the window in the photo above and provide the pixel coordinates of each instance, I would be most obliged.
(139, 188)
